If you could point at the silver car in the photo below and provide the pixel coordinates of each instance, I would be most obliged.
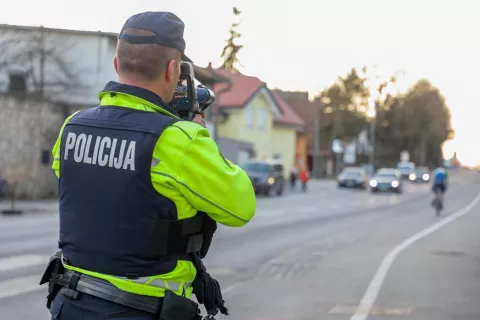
(352, 177)
(386, 181)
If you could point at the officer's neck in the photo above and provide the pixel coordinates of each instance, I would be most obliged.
(153, 87)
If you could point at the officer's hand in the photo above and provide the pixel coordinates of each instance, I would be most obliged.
(198, 118)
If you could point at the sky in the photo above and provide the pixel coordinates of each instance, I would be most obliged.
(307, 44)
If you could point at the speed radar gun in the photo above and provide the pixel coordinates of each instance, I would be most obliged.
(189, 100)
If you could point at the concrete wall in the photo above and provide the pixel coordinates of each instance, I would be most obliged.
(28, 128)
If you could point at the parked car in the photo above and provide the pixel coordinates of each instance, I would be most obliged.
(352, 177)
(387, 181)
(267, 176)
(421, 174)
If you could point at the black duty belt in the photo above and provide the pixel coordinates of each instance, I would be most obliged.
(74, 283)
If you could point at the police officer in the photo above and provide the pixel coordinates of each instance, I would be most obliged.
(134, 182)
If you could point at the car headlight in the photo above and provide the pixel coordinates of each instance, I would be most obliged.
(395, 184)
(373, 183)
(271, 180)
(412, 177)
(426, 177)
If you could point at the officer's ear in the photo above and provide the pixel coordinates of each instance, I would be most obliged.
(171, 72)
(115, 63)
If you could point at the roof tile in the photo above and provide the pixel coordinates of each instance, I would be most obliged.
(243, 87)
(289, 116)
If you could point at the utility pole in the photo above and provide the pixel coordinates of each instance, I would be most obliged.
(373, 125)
(423, 151)
(317, 159)
(335, 135)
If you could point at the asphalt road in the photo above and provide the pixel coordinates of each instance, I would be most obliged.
(326, 254)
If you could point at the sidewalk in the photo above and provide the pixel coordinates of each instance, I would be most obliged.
(31, 206)
(314, 185)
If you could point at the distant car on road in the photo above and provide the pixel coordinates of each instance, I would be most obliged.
(406, 168)
(352, 177)
(389, 170)
(421, 174)
(369, 169)
(386, 180)
(267, 176)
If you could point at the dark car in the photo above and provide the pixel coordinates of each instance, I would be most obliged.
(352, 177)
(267, 176)
(421, 174)
(386, 181)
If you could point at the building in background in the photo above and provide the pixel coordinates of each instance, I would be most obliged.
(289, 139)
(251, 114)
(64, 70)
(45, 75)
(66, 66)
(307, 111)
(247, 111)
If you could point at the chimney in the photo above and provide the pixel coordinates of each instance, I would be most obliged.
(209, 65)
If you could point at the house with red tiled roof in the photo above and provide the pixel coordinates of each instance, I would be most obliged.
(291, 118)
(308, 111)
(253, 114)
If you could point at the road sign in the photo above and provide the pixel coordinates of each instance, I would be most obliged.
(404, 156)
(350, 153)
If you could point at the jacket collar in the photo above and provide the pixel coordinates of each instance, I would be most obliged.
(147, 95)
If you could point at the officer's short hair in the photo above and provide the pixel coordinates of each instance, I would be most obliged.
(144, 61)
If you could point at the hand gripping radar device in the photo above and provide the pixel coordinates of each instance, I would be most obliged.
(188, 100)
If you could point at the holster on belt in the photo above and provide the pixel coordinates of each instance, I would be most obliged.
(209, 228)
(54, 266)
(177, 307)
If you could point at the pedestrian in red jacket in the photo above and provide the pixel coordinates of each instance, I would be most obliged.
(304, 177)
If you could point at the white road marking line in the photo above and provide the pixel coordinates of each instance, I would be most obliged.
(19, 286)
(22, 261)
(230, 288)
(375, 285)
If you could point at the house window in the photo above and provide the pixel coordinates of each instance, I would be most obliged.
(249, 117)
(17, 83)
(261, 119)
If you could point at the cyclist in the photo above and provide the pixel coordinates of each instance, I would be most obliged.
(440, 180)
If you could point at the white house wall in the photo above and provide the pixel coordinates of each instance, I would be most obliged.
(89, 56)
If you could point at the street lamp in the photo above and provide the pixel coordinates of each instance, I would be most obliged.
(372, 114)
(317, 158)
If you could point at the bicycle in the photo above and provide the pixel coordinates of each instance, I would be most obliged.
(437, 202)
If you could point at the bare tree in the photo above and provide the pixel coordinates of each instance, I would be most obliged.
(41, 59)
(231, 50)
